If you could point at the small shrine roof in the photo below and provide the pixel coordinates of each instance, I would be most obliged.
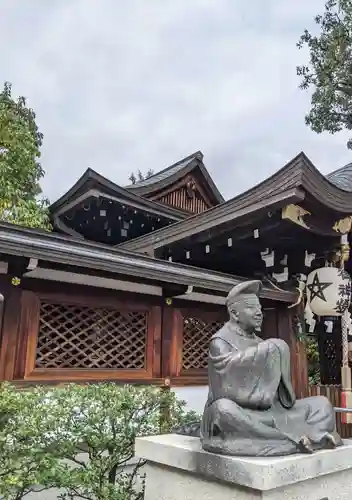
(91, 182)
(165, 173)
(170, 174)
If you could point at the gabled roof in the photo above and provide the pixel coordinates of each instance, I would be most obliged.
(93, 184)
(342, 178)
(171, 174)
(288, 185)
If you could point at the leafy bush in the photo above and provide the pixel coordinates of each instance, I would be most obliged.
(80, 438)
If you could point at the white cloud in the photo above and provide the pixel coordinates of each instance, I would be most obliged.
(124, 85)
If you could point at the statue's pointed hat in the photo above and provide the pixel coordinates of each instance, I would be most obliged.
(243, 289)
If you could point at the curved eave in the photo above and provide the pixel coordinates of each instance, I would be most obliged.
(325, 191)
(164, 183)
(93, 184)
(296, 178)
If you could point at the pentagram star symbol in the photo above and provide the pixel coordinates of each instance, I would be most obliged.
(317, 288)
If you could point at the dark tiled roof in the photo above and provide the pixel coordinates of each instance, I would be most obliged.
(172, 173)
(288, 185)
(164, 174)
(342, 177)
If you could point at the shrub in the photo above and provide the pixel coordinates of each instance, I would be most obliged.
(24, 462)
(81, 438)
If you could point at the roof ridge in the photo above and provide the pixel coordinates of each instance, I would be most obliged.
(197, 155)
(338, 170)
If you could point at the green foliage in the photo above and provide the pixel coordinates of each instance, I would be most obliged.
(20, 170)
(313, 360)
(329, 71)
(312, 349)
(140, 176)
(80, 439)
(23, 458)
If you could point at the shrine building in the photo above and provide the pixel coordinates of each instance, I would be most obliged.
(131, 283)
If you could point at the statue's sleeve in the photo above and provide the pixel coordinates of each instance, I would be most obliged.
(250, 376)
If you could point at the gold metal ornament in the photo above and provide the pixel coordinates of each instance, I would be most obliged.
(295, 214)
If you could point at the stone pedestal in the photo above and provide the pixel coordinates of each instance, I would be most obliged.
(178, 469)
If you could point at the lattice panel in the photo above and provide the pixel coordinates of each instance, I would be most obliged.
(74, 336)
(196, 338)
(332, 365)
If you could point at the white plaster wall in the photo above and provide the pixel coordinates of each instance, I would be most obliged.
(195, 396)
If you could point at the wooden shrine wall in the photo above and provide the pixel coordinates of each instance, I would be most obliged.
(181, 199)
(186, 194)
(55, 332)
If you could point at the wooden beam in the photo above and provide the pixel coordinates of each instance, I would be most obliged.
(299, 366)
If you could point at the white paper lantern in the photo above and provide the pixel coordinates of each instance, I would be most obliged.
(329, 291)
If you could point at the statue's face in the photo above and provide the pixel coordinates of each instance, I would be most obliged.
(248, 313)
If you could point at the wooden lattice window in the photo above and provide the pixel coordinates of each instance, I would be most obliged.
(78, 336)
(197, 333)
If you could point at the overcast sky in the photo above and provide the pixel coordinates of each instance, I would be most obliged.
(119, 85)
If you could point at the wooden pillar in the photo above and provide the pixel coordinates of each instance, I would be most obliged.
(171, 350)
(299, 365)
(269, 327)
(10, 332)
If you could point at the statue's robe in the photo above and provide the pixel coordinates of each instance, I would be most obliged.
(251, 407)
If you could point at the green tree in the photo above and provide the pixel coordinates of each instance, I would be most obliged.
(20, 170)
(25, 460)
(80, 439)
(329, 71)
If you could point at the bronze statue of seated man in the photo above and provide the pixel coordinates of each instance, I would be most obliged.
(251, 408)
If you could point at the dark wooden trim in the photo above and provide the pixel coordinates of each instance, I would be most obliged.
(184, 382)
(189, 380)
(2, 313)
(47, 287)
(93, 301)
(299, 369)
(176, 345)
(167, 334)
(10, 333)
(27, 333)
(154, 342)
(270, 323)
(29, 327)
(83, 374)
